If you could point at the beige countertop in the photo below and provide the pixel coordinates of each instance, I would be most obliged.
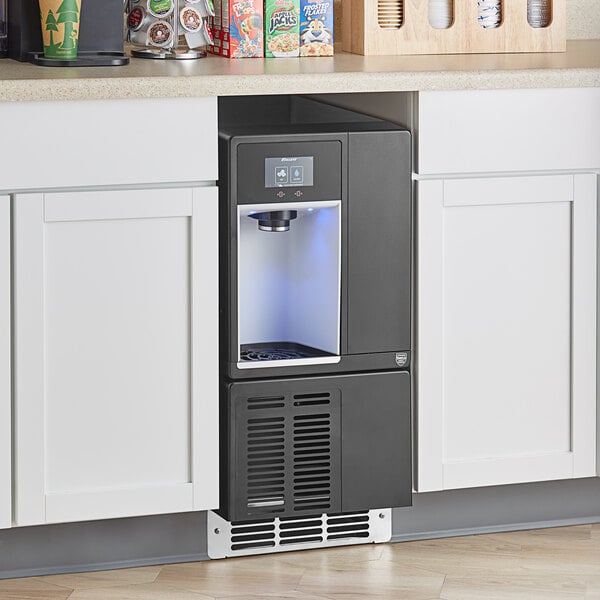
(214, 76)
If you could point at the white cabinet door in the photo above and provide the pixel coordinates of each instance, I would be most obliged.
(116, 366)
(5, 366)
(106, 161)
(506, 330)
(456, 133)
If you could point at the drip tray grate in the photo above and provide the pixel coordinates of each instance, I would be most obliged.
(271, 351)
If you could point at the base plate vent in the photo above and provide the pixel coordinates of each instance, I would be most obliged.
(226, 539)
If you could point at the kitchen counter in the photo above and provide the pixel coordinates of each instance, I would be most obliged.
(215, 76)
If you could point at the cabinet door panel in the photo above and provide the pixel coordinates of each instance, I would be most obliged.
(457, 135)
(5, 366)
(97, 156)
(116, 373)
(506, 306)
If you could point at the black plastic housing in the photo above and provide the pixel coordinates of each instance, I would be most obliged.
(300, 440)
(371, 175)
(305, 446)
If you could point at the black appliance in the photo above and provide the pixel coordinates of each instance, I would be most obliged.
(3, 30)
(100, 36)
(315, 312)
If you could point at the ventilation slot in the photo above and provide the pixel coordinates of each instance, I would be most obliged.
(265, 403)
(312, 399)
(390, 13)
(308, 530)
(258, 536)
(265, 450)
(312, 462)
(344, 527)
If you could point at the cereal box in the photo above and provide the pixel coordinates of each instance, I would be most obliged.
(237, 28)
(282, 28)
(316, 28)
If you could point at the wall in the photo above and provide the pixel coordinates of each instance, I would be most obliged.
(583, 19)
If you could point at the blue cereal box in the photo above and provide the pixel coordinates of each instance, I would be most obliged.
(316, 27)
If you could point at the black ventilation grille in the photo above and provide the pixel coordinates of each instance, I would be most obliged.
(287, 455)
(312, 461)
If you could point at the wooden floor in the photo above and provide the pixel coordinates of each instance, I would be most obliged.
(548, 564)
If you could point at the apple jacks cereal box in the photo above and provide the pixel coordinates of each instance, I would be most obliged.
(238, 28)
(282, 28)
(316, 28)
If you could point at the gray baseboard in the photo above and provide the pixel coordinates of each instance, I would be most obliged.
(102, 545)
(108, 566)
(502, 508)
(121, 543)
(433, 535)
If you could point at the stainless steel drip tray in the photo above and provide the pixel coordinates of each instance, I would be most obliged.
(274, 354)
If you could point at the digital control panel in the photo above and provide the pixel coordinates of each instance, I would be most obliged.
(289, 171)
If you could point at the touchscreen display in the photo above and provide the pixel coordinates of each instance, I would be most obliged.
(289, 171)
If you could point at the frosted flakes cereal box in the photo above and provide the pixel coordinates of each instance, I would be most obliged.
(237, 28)
(316, 28)
(282, 28)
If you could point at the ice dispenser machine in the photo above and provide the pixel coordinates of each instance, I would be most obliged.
(315, 319)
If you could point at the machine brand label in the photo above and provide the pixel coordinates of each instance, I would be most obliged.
(401, 358)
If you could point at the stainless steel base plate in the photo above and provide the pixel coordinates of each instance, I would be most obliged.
(226, 539)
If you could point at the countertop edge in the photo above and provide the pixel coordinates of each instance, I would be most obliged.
(579, 67)
(229, 85)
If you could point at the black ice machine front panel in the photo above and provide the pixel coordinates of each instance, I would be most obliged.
(316, 257)
(298, 447)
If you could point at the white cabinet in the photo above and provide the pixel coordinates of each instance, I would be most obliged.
(116, 354)
(116, 142)
(506, 330)
(5, 366)
(497, 131)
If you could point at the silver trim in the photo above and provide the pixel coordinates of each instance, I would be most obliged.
(266, 503)
(273, 229)
(294, 362)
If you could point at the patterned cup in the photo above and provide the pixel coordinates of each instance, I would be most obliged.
(60, 28)
(490, 13)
